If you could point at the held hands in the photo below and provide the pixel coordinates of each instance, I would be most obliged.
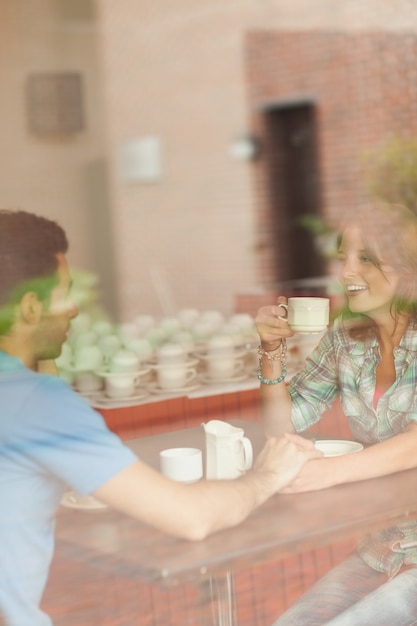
(314, 475)
(284, 458)
(270, 328)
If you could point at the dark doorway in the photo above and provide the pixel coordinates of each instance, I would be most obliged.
(294, 185)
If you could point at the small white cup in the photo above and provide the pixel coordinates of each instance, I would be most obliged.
(175, 376)
(213, 317)
(102, 327)
(86, 338)
(144, 323)
(87, 358)
(221, 367)
(109, 344)
(127, 331)
(183, 338)
(184, 465)
(140, 346)
(124, 361)
(243, 321)
(307, 315)
(203, 330)
(171, 353)
(220, 345)
(120, 385)
(170, 325)
(188, 317)
(87, 382)
(156, 337)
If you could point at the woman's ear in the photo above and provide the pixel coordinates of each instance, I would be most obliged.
(30, 308)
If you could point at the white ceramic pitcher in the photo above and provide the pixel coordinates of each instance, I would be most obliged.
(228, 452)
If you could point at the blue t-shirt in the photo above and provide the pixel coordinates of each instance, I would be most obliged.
(49, 439)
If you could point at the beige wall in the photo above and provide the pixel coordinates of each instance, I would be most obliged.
(175, 70)
(59, 177)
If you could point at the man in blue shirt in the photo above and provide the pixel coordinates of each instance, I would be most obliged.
(50, 438)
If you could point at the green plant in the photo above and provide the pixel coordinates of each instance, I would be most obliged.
(393, 172)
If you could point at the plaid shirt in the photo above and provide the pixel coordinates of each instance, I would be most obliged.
(346, 367)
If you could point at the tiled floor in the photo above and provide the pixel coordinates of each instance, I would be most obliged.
(82, 595)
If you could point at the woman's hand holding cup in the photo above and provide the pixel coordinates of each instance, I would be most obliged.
(271, 328)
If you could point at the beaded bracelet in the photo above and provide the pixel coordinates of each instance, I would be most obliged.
(278, 355)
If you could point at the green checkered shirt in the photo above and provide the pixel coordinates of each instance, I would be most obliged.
(345, 367)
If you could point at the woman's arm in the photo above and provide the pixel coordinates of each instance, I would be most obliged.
(275, 399)
(387, 457)
(310, 393)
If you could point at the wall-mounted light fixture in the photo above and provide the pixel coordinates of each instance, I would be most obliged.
(54, 103)
(245, 148)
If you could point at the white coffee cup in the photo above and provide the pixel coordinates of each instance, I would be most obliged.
(109, 344)
(175, 376)
(220, 345)
(87, 358)
(307, 315)
(171, 353)
(188, 317)
(213, 317)
(170, 325)
(87, 382)
(102, 327)
(221, 367)
(144, 323)
(124, 361)
(86, 338)
(184, 338)
(120, 385)
(182, 464)
(127, 331)
(243, 320)
(141, 347)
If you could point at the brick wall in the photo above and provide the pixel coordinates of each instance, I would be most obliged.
(364, 89)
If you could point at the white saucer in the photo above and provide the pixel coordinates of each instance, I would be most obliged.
(233, 379)
(87, 394)
(108, 374)
(155, 388)
(236, 353)
(101, 398)
(307, 330)
(187, 363)
(89, 503)
(337, 447)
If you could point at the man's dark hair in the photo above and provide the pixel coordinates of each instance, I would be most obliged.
(29, 244)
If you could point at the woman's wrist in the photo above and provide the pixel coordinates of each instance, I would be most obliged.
(271, 347)
(268, 360)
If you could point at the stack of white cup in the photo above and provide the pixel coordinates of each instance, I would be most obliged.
(223, 360)
(174, 369)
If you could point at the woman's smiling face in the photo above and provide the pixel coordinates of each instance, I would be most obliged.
(370, 283)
